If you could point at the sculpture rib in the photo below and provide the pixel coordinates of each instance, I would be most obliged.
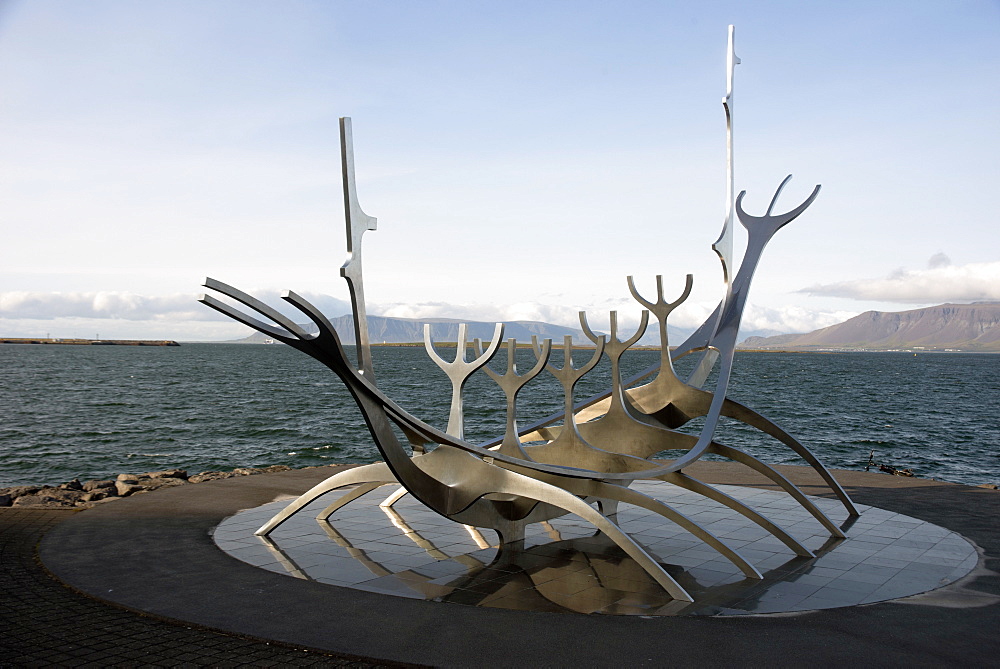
(754, 419)
(364, 474)
(627, 495)
(349, 497)
(786, 485)
(687, 482)
(519, 484)
(393, 498)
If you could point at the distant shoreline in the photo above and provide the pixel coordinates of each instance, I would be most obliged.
(588, 345)
(89, 342)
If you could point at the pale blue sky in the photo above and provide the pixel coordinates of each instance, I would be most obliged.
(522, 157)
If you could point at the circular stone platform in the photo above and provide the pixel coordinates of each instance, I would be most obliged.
(566, 566)
(155, 554)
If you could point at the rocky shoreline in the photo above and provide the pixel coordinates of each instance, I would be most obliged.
(85, 494)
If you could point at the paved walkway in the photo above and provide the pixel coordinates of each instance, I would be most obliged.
(45, 624)
(153, 553)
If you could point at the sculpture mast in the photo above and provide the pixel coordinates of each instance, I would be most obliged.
(723, 246)
(358, 222)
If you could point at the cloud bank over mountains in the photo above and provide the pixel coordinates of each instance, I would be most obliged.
(688, 316)
(105, 304)
(939, 282)
(133, 307)
(122, 314)
(179, 316)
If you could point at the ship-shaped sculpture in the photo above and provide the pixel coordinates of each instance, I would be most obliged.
(581, 460)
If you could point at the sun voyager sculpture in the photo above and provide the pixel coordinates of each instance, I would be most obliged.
(582, 460)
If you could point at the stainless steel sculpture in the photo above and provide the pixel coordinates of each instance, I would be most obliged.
(585, 465)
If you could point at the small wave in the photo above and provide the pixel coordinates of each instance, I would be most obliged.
(871, 442)
(147, 455)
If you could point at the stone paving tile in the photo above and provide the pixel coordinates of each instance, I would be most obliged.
(44, 624)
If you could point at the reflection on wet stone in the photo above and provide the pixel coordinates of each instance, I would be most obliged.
(563, 566)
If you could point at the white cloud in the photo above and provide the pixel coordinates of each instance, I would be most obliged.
(497, 313)
(940, 282)
(784, 319)
(790, 319)
(134, 307)
(105, 304)
(688, 317)
(938, 260)
(122, 315)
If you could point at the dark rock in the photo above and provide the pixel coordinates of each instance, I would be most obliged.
(276, 468)
(20, 490)
(247, 471)
(126, 488)
(132, 486)
(6, 500)
(210, 476)
(72, 485)
(94, 484)
(71, 496)
(43, 501)
(153, 484)
(168, 474)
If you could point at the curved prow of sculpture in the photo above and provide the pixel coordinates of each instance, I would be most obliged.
(760, 230)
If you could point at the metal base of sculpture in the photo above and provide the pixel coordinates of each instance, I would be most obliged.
(563, 565)
(586, 464)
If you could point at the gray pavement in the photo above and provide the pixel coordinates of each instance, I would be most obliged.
(153, 554)
(43, 623)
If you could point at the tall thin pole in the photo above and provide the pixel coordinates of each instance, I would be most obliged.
(358, 222)
(723, 246)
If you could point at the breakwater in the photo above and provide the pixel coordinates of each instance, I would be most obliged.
(89, 342)
(85, 494)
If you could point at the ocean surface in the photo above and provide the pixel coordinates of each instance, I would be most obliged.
(97, 411)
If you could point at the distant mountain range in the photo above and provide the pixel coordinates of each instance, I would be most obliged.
(955, 327)
(383, 330)
(946, 327)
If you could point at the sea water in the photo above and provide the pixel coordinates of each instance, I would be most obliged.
(97, 411)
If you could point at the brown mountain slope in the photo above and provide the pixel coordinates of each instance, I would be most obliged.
(965, 327)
